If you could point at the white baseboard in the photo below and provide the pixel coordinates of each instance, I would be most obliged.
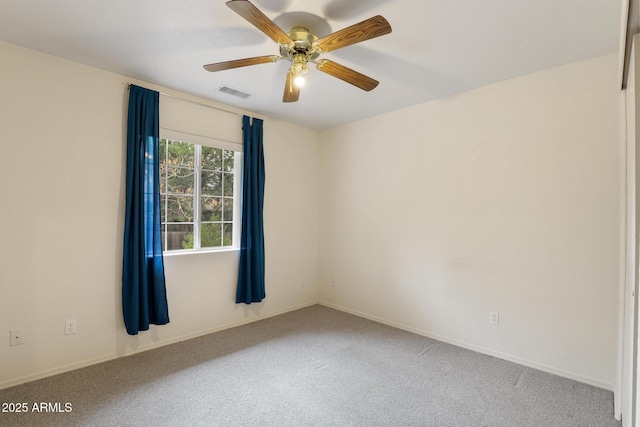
(508, 357)
(112, 356)
(105, 358)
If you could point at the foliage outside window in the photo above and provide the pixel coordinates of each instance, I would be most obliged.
(198, 195)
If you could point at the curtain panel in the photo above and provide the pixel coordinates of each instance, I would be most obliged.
(144, 299)
(251, 284)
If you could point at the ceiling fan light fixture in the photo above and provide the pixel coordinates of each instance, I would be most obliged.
(299, 66)
(299, 69)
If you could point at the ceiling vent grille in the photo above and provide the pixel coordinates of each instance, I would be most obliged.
(233, 92)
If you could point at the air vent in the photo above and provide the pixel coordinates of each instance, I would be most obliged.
(233, 92)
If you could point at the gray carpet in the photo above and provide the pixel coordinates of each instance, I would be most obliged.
(311, 367)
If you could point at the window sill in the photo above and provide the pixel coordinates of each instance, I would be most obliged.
(198, 251)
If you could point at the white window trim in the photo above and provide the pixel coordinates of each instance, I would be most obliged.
(200, 140)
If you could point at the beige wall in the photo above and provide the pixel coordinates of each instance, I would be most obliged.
(62, 157)
(508, 198)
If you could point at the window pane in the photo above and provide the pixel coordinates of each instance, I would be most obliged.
(228, 234)
(227, 209)
(211, 208)
(211, 183)
(211, 235)
(228, 160)
(211, 158)
(163, 150)
(180, 180)
(228, 184)
(214, 208)
(163, 178)
(180, 154)
(179, 209)
(179, 236)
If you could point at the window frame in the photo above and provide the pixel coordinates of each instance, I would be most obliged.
(198, 141)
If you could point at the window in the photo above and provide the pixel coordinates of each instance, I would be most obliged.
(199, 196)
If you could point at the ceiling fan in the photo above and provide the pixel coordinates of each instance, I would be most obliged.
(301, 47)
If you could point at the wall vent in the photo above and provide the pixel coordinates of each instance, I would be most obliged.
(233, 92)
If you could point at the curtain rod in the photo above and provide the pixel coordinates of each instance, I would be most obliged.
(193, 102)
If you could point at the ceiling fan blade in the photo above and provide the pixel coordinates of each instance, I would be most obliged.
(346, 74)
(291, 91)
(365, 30)
(259, 20)
(227, 65)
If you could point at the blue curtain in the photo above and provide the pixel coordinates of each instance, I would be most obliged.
(251, 272)
(144, 299)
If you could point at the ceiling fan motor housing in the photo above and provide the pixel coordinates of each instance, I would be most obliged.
(302, 45)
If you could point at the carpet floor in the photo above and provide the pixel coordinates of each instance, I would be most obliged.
(311, 367)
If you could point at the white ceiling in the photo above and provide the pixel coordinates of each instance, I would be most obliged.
(437, 48)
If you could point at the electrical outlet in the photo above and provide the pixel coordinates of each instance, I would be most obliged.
(17, 336)
(70, 327)
(494, 318)
(301, 283)
(333, 283)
